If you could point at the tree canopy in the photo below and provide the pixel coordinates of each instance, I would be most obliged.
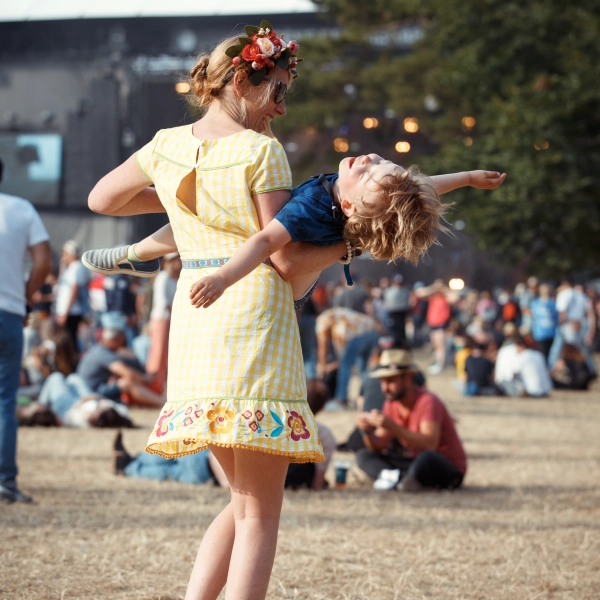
(501, 85)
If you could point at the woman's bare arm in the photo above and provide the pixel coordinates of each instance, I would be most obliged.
(299, 259)
(124, 191)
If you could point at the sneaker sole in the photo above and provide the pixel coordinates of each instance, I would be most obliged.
(96, 269)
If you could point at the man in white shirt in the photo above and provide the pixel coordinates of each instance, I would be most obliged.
(506, 360)
(72, 297)
(575, 325)
(21, 233)
(531, 377)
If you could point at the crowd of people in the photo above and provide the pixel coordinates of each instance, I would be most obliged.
(94, 345)
(521, 342)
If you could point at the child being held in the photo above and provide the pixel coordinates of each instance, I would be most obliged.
(372, 204)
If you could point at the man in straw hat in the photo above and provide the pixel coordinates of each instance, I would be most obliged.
(416, 421)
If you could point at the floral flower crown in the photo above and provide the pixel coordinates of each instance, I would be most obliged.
(261, 50)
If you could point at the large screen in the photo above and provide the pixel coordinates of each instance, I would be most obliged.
(32, 166)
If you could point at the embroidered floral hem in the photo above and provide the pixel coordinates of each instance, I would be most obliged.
(282, 427)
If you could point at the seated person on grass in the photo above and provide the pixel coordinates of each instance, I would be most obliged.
(479, 371)
(571, 371)
(111, 372)
(530, 373)
(371, 397)
(415, 420)
(72, 403)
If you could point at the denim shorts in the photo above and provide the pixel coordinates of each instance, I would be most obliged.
(110, 391)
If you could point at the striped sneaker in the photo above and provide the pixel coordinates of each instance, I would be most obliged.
(113, 261)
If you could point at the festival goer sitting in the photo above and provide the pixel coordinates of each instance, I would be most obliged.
(479, 373)
(55, 353)
(462, 346)
(571, 371)
(74, 404)
(201, 467)
(530, 373)
(110, 371)
(371, 396)
(415, 420)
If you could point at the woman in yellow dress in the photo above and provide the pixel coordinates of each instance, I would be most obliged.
(236, 379)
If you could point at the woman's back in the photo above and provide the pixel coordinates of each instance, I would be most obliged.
(227, 171)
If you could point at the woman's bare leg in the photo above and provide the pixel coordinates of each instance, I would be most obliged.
(158, 244)
(256, 498)
(214, 555)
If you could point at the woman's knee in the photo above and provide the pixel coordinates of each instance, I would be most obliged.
(258, 483)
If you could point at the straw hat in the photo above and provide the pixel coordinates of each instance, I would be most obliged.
(394, 362)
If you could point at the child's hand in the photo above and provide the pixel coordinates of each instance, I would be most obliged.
(486, 180)
(206, 290)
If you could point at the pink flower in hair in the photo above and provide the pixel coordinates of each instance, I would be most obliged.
(293, 46)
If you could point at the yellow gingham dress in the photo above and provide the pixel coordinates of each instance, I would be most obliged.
(236, 377)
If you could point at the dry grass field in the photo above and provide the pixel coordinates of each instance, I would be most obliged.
(526, 525)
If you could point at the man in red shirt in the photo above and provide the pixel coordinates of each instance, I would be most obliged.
(412, 443)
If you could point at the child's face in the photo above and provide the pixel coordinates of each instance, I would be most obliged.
(357, 176)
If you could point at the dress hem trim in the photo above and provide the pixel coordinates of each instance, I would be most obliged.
(297, 457)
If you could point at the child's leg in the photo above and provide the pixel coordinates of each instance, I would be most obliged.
(158, 244)
(139, 259)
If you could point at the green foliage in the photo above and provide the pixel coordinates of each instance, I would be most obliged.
(527, 72)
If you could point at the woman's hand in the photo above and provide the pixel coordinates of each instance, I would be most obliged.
(486, 180)
(207, 290)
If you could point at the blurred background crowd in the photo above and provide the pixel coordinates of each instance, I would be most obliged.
(96, 345)
(443, 84)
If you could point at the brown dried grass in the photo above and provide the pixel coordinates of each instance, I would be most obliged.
(526, 525)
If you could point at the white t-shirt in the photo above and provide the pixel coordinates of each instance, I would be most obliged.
(20, 228)
(79, 414)
(74, 274)
(533, 371)
(573, 303)
(506, 363)
(163, 294)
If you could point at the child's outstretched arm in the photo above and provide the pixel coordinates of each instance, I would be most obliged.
(258, 248)
(483, 180)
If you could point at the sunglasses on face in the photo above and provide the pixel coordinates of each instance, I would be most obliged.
(281, 89)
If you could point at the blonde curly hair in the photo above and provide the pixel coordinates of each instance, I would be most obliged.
(400, 218)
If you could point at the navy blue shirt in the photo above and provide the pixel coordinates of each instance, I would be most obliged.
(309, 217)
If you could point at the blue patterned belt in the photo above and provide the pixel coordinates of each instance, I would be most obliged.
(207, 263)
